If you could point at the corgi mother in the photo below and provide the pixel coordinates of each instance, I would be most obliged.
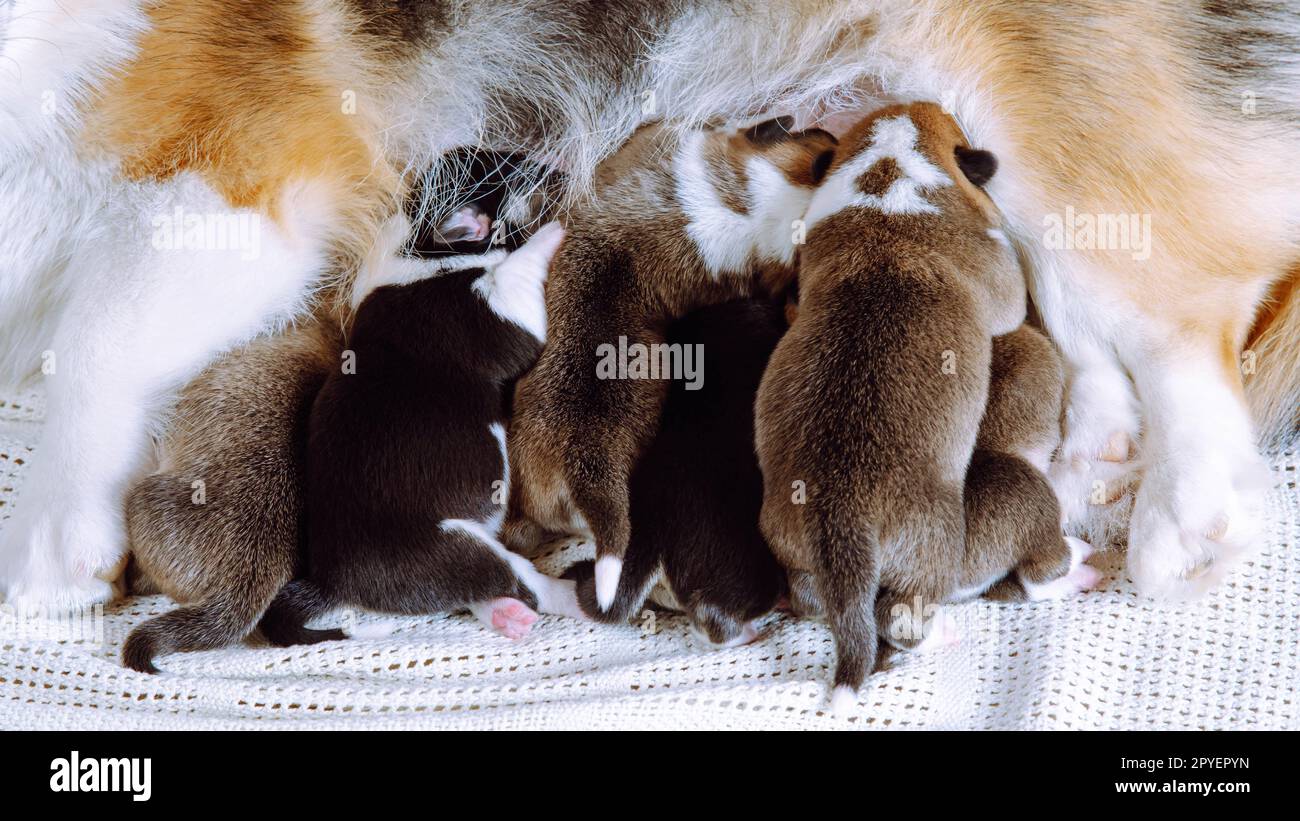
(180, 176)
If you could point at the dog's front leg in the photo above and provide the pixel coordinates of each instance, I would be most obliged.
(1200, 505)
(1101, 429)
(148, 308)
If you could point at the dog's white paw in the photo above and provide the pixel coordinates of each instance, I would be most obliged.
(1193, 520)
(55, 558)
(941, 634)
(1095, 462)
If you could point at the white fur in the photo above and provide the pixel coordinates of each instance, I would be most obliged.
(515, 288)
(729, 241)
(608, 569)
(843, 701)
(372, 629)
(893, 138)
(1199, 509)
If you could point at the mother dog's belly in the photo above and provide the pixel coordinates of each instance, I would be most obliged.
(175, 249)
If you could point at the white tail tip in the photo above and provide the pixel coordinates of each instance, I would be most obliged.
(608, 569)
(844, 701)
(372, 630)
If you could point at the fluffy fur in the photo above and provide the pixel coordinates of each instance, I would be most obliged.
(406, 455)
(695, 494)
(867, 415)
(658, 240)
(219, 526)
(328, 109)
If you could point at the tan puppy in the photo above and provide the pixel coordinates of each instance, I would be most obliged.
(1014, 547)
(677, 222)
(868, 413)
(217, 527)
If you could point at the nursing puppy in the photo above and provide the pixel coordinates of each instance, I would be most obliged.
(305, 123)
(868, 413)
(219, 526)
(406, 456)
(696, 492)
(1014, 547)
(676, 222)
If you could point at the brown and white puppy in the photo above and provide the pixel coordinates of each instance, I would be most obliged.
(1014, 547)
(868, 413)
(696, 492)
(675, 222)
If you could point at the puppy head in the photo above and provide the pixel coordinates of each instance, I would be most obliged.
(803, 157)
(909, 167)
(742, 189)
(909, 160)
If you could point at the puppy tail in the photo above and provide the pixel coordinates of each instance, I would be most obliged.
(628, 600)
(210, 625)
(1271, 367)
(845, 552)
(285, 621)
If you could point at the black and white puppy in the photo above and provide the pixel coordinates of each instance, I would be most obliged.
(696, 493)
(406, 455)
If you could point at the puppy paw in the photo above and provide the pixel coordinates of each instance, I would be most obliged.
(1078, 578)
(509, 617)
(942, 633)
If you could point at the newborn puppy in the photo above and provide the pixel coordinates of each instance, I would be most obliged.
(696, 492)
(1013, 518)
(676, 222)
(1014, 547)
(218, 527)
(867, 415)
(406, 456)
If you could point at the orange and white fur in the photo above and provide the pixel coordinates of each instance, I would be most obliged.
(125, 122)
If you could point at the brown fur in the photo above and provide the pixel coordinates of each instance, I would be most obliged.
(627, 268)
(239, 429)
(1013, 519)
(253, 101)
(856, 409)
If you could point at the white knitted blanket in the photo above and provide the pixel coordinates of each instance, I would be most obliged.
(1106, 660)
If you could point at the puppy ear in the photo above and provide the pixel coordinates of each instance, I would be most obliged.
(771, 131)
(820, 166)
(978, 166)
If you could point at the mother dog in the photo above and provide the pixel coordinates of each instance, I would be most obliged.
(179, 176)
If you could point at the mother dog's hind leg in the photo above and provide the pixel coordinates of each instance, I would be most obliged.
(150, 305)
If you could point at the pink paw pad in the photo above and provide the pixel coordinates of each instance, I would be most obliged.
(511, 618)
(1084, 577)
